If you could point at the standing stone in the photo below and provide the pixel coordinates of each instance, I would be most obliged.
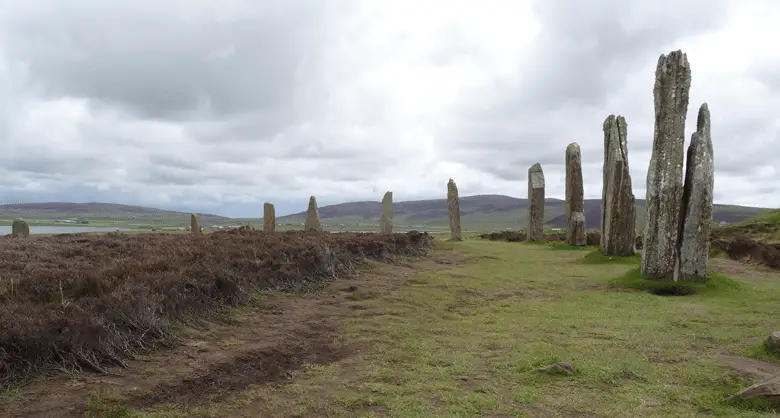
(575, 197)
(386, 217)
(20, 229)
(453, 210)
(665, 173)
(535, 203)
(618, 223)
(195, 224)
(269, 217)
(312, 217)
(697, 202)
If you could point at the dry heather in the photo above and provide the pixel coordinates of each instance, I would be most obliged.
(592, 237)
(75, 302)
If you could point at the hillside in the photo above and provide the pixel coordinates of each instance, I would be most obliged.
(100, 213)
(484, 212)
(763, 227)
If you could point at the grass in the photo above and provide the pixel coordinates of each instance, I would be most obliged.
(465, 340)
(764, 227)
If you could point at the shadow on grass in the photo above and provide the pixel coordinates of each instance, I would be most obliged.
(557, 245)
(597, 257)
(717, 284)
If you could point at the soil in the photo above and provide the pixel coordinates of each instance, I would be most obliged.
(266, 344)
(77, 302)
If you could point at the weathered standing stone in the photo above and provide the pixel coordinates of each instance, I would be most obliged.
(697, 202)
(20, 229)
(195, 224)
(575, 197)
(535, 203)
(575, 230)
(665, 173)
(269, 217)
(453, 210)
(386, 218)
(312, 217)
(618, 223)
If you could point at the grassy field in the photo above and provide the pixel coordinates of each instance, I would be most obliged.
(461, 334)
(764, 227)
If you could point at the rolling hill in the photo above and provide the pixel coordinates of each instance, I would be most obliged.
(101, 213)
(485, 212)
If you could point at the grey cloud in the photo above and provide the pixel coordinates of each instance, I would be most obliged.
(582, 56)
(224, 105)
(169, 59)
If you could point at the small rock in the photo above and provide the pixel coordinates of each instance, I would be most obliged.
(269, 217)
(453, 210)
(561, 368)
(20, 229)
(195, 227)
(773, 342)
(535, 203)
(312, 222)
(386, 214)
(767, 390)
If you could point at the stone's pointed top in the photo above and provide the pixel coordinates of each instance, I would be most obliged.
(681, 58)
(451, 181)
(703, 122)
(609, 121)
(573, 146)
(313, 201)
(536, 168)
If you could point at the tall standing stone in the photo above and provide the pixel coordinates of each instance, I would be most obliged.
(195, 224)
(697, 202)
(20, 229)
(665, 173)
(269, 217)
(453, 210)
(386, 217)
(618, 223)
(535, 203)
(312, 217)
(575, 197)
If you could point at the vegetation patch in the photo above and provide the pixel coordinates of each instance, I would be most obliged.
(598, 257)
(762, 351)
(716, 284)
(91, 302)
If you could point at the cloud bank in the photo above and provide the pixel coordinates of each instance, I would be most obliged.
(220, 106)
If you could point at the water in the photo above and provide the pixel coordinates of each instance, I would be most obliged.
(4, 230)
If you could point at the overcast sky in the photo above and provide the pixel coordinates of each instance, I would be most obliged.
(219, 106)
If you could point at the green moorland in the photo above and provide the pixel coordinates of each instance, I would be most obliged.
(763, 227)
(463, 337)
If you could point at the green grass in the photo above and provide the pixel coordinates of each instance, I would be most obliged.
(465, 340)
(597, 257)
(762, 227)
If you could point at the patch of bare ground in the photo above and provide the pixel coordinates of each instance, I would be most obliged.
(539, 411)
(267, 343)
(749, 369)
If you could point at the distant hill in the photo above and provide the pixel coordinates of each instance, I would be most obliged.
(763, 227)
(484, 212)
(100, 212)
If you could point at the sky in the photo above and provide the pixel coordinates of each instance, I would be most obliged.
(217, 107)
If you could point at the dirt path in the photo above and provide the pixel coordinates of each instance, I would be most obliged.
(269, 341)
